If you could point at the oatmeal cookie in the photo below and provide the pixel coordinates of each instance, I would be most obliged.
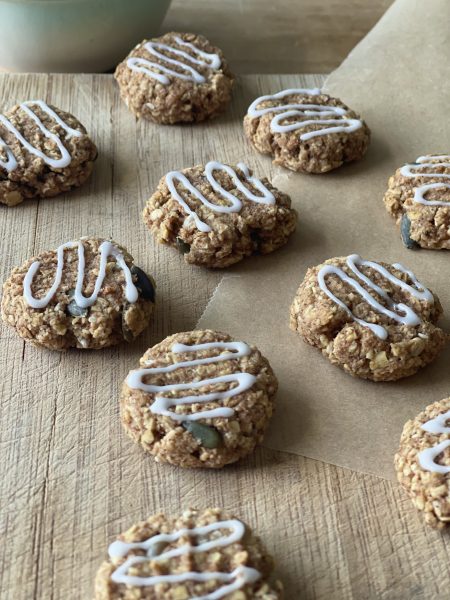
(306, 130)
(217, 214)
(422, 462)
(84, 294)
(44, 152)
(204, 554)
(418, 197)
(375, 320)
(176, 78)
(199, 399)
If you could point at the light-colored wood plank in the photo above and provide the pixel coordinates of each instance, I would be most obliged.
(71, 480)
(287, 36)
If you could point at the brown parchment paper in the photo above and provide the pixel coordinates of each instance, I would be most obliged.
(398, 78)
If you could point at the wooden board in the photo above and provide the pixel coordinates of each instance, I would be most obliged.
(70, 478)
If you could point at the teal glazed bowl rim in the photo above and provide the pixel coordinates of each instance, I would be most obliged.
(74, 35)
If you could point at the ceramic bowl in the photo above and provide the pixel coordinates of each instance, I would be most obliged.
(63, 36)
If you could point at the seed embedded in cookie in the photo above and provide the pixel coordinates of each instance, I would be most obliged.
(44, 152)
(306, 130)
(418, 197)
(217, 214)
(422, 462)
(176, 78)
(84, 294)
(206, 554)
(375, 320)
(199, 399)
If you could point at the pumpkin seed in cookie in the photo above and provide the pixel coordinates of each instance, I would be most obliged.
(73, 309)
(183, 247)
(405, 231)
(208, 436)
(144, 284)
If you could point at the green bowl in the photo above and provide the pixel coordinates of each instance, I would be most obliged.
(63, 36)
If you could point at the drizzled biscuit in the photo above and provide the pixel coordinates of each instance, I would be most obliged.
(306, 130)
(217, 214)
(418, 197)
(375, 320)
(44, 152)
(199, 399)
(84, 294)
(422, 462)
(200, 555)
(179, 77)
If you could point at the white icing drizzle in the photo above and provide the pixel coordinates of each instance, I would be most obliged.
(238, 578)
(438, 424)
(119, 549)
(320, 114)
(56, 163)
(427, 457)
(411, 170)
(162, 402)
(11, 163)
(399, 312)
(106, 249)
(235, 205)
(233, 581)
(150, 68)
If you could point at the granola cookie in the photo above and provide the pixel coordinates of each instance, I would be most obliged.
(418, 197)
(217, 214)
(199, 399)
(375, 320)
(176, 78)
(306, 130)
(422, 462)
(44, 152)
(84, 294)
(204, 554)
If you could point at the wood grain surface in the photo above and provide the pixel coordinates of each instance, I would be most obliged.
(70, 478)
(286, 36)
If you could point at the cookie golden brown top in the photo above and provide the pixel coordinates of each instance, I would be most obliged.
(44, 151)
(422, 462)
(418, 197)
(85, 294)
(200, 554)
(199, 399)
(178, 77)
(217, 214)
(376, 320)
(306, 130)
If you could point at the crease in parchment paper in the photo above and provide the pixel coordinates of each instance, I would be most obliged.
(398, 79)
